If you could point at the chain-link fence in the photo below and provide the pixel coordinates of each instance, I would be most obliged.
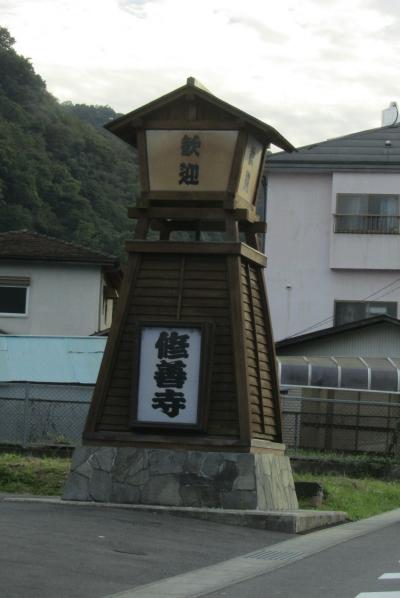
(54, 415)
(363, 422)
(43, 414)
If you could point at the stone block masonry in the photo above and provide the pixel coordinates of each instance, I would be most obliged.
(181, 478)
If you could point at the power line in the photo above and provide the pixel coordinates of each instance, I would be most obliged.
(329, 318)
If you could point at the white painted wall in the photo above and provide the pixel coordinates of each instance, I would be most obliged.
(373, 252)
(301, 284)
(63, 299)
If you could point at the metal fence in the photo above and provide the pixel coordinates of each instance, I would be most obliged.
(43, 414)
(341, 424)
(367, 224)
(54, 415)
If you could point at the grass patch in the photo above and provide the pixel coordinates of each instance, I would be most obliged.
(360, 498)
(33, 475)
(343, 457)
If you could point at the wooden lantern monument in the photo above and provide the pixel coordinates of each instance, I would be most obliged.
(186, 408)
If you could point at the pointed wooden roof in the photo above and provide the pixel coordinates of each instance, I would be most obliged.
(207, 108)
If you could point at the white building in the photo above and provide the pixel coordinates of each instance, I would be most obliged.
(333, 240)
(51, 287)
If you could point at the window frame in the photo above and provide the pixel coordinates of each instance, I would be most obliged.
(368, 230)
(337, 301)
(24, 314)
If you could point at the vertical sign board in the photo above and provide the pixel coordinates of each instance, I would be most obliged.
(250, 168)
(187, 160)
(168, 387)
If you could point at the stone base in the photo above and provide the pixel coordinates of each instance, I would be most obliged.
(170, 477)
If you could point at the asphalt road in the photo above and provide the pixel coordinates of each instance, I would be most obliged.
(347, 570)
(65, 551)
(60, 551)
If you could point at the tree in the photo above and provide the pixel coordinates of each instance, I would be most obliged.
(6, 41)
(60, 173)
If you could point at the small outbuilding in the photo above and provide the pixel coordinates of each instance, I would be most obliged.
(342, 386)
(46, 383)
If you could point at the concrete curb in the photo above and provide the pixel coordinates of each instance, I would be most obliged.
(291, 522)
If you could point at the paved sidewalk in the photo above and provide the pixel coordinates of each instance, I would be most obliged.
(56, 550)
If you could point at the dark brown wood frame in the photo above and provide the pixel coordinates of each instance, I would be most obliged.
(229, 199)
(207, 331)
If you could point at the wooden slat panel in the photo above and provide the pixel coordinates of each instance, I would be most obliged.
(223, 416)
(113, 426)
(223, 387)
(203, 275)
(151, 283)
(268, 409)
(142, 310)
(123, 382)
(150, 264)
(119, 393)
(207, 293)
(206, 311)
(260, 373)
(219, 377)
(204, 297)
(204, 264)
(116, 410)
(146, 293)
(116, 419)
(205, 284)
(159, 274)
(206, 302)
(224, 368)
(154, 302)
(265, 384)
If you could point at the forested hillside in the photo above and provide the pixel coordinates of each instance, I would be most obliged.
(59, 173)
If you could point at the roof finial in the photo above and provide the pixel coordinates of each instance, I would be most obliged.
(196, 83)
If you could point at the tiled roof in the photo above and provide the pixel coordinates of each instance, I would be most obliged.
(376, 149)
(27, 245)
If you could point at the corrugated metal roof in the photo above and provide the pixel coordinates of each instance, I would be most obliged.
(375, 149)
(51, 359)
(351, 373)
(337, 330)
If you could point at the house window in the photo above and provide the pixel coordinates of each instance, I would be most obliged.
(351, 311)
(14, 296)
(367, 213)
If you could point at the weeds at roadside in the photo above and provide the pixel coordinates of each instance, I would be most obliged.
(32, 475)
(360, 498)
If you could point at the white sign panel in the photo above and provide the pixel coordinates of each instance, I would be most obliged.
(169, 375)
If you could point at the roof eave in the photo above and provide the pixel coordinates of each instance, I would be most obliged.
(334, 330)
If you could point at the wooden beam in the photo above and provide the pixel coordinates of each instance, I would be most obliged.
(188, 247)
(192, 125)
(188, 213)
(206, 443)
(238, 337)
(180, 196)
(209, 226)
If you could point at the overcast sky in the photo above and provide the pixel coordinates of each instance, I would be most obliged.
(314, 69)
